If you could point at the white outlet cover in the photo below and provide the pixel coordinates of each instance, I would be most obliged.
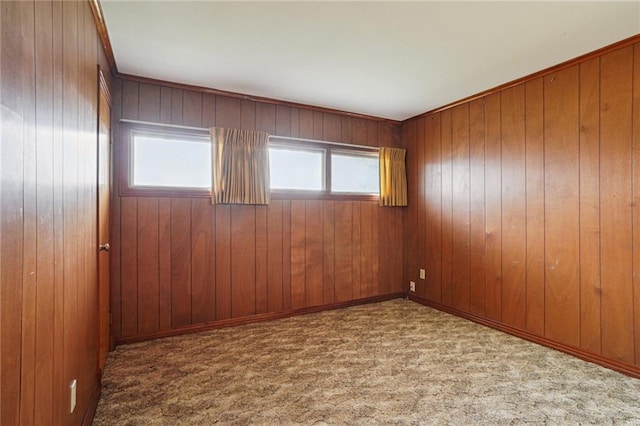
(412, 286)
(423, 274)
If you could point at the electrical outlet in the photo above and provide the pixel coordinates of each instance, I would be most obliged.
(412, 286)
(423, 274)
(72, 390)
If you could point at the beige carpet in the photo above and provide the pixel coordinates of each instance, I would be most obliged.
(394, 362)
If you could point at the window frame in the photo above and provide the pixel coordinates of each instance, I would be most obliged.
(128, 131)
(329, 148)
(124, 173)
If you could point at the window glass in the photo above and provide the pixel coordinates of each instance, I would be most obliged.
(296, 168)
(171, 162)
(354, 173)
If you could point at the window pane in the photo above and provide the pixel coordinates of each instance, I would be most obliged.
(354, 173)
(296, 169)
(168, 162)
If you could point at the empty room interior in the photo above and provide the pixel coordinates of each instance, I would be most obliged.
(319, 212)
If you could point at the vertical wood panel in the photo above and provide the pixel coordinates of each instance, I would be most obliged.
(493, 208)
(447, 208)
(535, 206)
(180, 262)
(298, 263)
(476, 208)
(460, 206)
(359, 131)
(265, 118)
(148, 265)
(203, 260)
(328, 240)
(149, 102)
(191, 108)
(115, 222)
(562, 310)
(283, 120)
(177, 103)
(305, 123)
(261, 260)
(343, 264)
(129, 266)
(318, 120)
(165, 104)
(356, 249)
(164, 262)
(223, 262)
(45, 297)
(11, 226)
(636, 199)
(372, 133)
(433, 196)
(421, 238)
(367, 255)
(346, 130)
(314, 271)
(274, 256)
(243, 261)
(228, 111)
(286, 255)
(514, 227)
(208, 110)
(331, 127)
(410, 213)
(616, 70)
(373, 247)
(590, 338)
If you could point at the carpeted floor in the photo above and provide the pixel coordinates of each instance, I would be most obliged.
(394, 362)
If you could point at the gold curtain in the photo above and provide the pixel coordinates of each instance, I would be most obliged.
(240, 162)
(393, 177)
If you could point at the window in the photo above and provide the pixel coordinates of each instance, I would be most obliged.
(164, 160)
(171, 161)
(354, 172)
(322, 170)
(296, 168)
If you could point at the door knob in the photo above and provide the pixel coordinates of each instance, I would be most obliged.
(104, 247)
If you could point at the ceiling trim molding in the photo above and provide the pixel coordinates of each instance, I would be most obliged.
(210, 91)
(101, 27)
(553, 69)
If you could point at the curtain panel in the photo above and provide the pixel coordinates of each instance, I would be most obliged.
(240, 163)
(393, 177)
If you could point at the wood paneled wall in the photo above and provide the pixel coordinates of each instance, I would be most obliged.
(526, 204)
(49, 53)
(179, 263)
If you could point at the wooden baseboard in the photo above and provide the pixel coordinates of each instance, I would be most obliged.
(630, 370)
(254, 318)
(87, 420)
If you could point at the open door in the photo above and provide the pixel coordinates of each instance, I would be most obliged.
(104, 173)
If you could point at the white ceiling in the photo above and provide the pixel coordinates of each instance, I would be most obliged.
(387, 59)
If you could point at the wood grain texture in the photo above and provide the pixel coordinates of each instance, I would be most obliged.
(460, 206)
(636, 201)
(243, 269)
(534, 129)
(514, 230)
(242, 261)
(314, 254)
(493, 208)
(180, 262)
(148, 265)
(447, 207)
(476, 208)
(49, 53)
(561, 150)
(616, 223)
(590, 338)
(553, 164)
(433, 214)
(203, 261)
